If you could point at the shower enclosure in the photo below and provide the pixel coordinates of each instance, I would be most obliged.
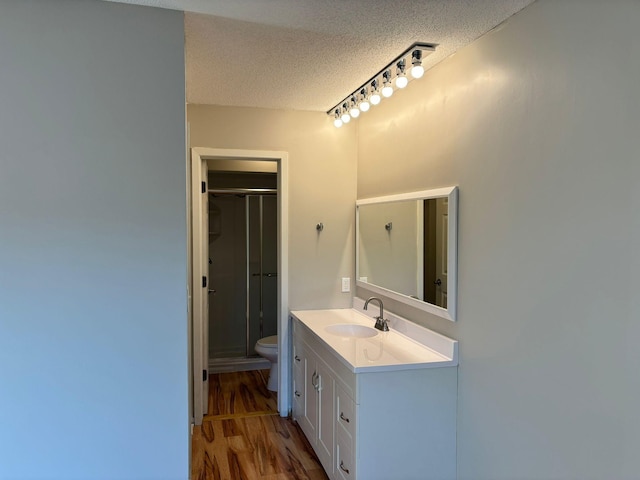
(242, 270)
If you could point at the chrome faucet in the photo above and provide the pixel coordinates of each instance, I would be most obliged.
(381, 322)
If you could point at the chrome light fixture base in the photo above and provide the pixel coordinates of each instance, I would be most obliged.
(381, 84)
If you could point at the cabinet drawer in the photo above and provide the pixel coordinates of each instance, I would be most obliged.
(345, 465)
(345, 412)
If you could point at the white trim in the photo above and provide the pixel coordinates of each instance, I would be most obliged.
(282, 158)
(399, 197)
(420, 250)
(452, 265)
(198, 242)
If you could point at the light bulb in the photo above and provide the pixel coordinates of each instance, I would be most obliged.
(375, 95)
(337, 121)
(401, 78)
(417, 71)
(353, 107)
(353, 110)
(387, 90)
(364, 101)
(345, 113)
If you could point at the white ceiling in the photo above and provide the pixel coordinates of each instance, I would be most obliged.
(310, 54)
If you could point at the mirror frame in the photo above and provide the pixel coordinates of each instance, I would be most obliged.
(452, 251)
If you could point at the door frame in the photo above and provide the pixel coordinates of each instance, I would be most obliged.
(199, 294)
(200, 154)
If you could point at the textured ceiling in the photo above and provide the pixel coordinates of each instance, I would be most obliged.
(310, 54)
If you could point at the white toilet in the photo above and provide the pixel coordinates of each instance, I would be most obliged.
(267, 347)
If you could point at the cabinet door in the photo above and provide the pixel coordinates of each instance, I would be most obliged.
(309, 420)
(326, 416)
(298, 401)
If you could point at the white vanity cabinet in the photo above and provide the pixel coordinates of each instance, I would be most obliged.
(313, 402)
(373, 424)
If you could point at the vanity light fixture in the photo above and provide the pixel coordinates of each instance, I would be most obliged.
(371, 93)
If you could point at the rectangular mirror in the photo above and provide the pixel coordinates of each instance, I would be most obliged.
(406, 248)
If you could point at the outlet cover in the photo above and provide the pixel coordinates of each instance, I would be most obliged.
(346, 284)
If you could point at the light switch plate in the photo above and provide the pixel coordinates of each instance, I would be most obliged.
(346, 284)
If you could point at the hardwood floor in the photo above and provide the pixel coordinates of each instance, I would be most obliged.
(240, 392)
(244, 438)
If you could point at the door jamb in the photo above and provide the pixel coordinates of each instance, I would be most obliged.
(282, 159)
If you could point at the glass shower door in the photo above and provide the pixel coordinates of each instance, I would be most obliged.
(227, 276)
(262, 307)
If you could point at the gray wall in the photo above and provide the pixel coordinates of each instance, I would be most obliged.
(538, 123)
(93, 333)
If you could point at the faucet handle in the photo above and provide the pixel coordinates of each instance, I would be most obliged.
(382, 324)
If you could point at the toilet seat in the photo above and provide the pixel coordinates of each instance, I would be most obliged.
(268, 342)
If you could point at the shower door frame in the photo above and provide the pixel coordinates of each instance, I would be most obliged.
(261, 274)
(200, 155)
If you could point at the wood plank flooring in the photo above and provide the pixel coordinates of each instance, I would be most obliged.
(240, 392)
(244, 438)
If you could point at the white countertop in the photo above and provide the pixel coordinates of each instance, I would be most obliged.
(385, 351)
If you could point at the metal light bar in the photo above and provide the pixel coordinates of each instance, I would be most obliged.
(399, 64)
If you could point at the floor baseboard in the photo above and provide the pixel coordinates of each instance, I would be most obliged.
(237, 364)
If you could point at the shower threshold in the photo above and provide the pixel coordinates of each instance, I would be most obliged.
(237, 364)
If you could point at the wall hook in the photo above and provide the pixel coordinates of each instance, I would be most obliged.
(319, 227)
(388, 226)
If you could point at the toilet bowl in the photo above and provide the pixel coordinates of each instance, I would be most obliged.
(267, 347)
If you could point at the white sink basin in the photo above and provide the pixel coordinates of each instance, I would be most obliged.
(351, 330)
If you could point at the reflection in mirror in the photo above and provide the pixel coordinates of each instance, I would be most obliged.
(406, 248)
(436, 220)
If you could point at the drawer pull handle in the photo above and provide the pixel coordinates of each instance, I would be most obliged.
(297, 358)
(345, 470)
(297, 393)
(343, 418)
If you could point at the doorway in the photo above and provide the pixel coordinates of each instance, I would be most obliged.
(243, 270)
(201, 159)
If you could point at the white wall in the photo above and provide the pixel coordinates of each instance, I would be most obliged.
(93, 333)
(538, 123)
(322, 186)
